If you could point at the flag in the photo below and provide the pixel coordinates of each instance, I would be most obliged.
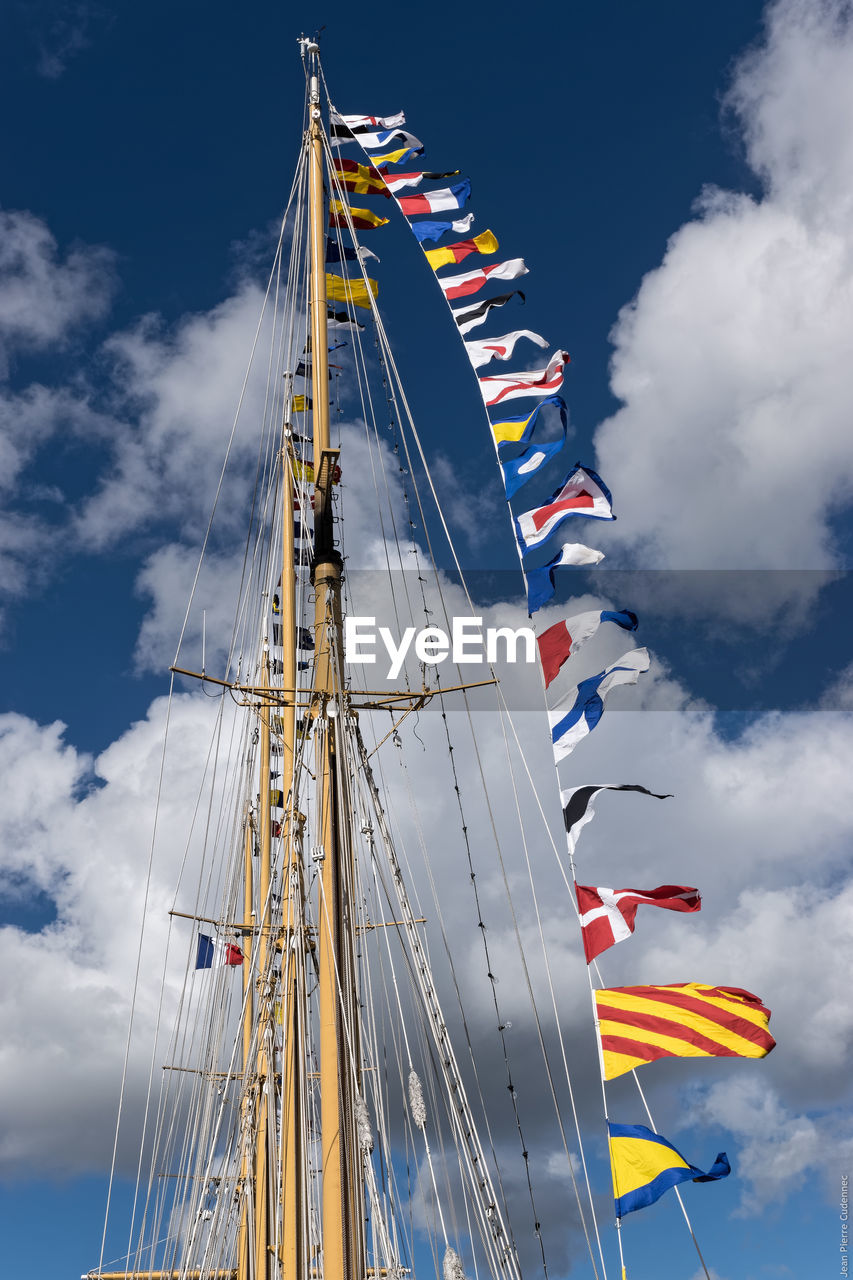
(376, 141)
(582, 493)
(540, 582)
(577, 714)
(340, 215)
(214, 953)
(304, 638)
(680, 1020)
(565, 638)
(607, 916)
(305, 471)
(448, 254)
(399, 156)
(482, 350)
(644, 1165)
(520, 430)
(452, 197)
(397, 181)
(345, 253)
(468, 318)
(373, 139)
(355, 292)
(425, 231)
(473, 281)
(358, 124)
(498, 387)
(519, 470)
(299, 404)
(578, 805)
(341, 317)
(363, 179)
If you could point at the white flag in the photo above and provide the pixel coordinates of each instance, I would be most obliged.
(482, 350)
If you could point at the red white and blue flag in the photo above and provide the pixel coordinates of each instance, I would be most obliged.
(582, 493)
(214, 953)
(559, 642)
(607, 916)
(452, 197)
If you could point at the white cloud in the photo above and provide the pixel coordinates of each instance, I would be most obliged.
(781, 1150)
(42, 297)
(732, 448)
(79, 830)
(177, 391)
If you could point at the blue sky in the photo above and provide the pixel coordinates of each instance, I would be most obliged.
(606, 145)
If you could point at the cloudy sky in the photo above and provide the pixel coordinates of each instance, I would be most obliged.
(679, 180)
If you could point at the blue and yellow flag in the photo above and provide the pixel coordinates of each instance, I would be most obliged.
(519, 430)
(644, 1165)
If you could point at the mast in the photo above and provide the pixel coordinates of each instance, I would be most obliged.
(342, 1189)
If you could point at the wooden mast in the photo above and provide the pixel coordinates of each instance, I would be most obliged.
(342, 1189)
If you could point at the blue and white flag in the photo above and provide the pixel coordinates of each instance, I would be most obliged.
(577, 714)
(528, 464)
(582, 493)
(427, 232)
(540, 582)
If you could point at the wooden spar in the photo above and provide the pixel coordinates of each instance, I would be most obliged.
(292, 986)
(342, 1194)
(262, 1219)
(248, 1012)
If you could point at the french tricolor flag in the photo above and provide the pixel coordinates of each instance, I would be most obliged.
(452, 197)
(582, 493)
(607, 916)
(214, 953)
(565, 638)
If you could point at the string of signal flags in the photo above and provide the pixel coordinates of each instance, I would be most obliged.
(634, 1025)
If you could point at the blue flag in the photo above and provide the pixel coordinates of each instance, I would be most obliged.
(644, 1165)
(528, 464)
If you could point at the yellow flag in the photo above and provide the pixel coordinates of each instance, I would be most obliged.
(300, 404)
(485, 242)
(393, 157)
(339, 289)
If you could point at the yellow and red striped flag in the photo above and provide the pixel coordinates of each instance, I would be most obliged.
(681, 1020)
(362, 219)
(485, 242)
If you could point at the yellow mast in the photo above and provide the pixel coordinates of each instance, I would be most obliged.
(293, 1252)
(342, 1192)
